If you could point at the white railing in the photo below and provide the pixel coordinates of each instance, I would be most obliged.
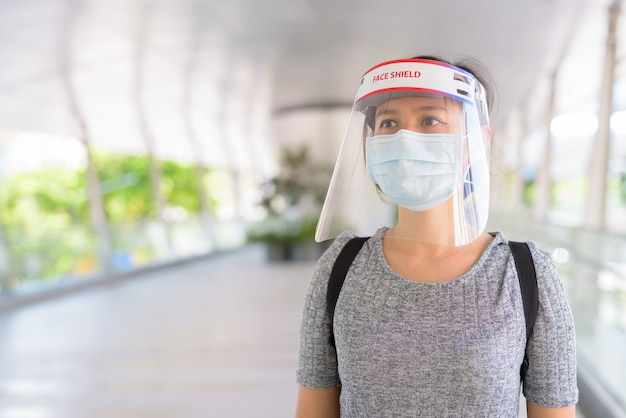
(37, 261)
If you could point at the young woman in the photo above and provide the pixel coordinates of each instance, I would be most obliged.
(429, 321)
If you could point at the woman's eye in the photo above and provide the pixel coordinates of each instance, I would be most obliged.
(387, 123)
(431, 122)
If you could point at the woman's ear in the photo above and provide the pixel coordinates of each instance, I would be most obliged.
(487, 133)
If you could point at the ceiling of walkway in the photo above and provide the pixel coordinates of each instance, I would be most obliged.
(202, 79)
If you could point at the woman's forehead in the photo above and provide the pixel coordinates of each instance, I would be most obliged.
(418, 103)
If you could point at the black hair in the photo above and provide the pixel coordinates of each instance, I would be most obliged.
(477, 69)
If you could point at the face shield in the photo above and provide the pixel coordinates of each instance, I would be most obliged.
(416, 150)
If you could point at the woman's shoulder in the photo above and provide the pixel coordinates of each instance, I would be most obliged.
(542, 259)
(501, 239)
(329, 256)
(337, 245)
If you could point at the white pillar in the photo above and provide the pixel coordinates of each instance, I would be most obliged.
(595, 216)
(518, 181)
(145, 13)
(97, 211)
(543, 184)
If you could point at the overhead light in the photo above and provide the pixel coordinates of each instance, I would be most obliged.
(618, 122)
(574, 125)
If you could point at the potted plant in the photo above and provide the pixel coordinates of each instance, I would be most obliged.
(292, 201)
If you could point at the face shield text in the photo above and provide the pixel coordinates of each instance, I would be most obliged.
(396, 74)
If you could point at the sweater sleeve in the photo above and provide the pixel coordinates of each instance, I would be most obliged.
(318, 360)
(551, 377)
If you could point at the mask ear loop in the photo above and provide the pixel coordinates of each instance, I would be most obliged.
(468, 183)
(469, 176)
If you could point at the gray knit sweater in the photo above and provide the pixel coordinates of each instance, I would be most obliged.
(452, 349)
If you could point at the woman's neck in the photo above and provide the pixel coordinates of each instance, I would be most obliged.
(434, 226)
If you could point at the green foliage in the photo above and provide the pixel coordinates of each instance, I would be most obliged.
(36, 212)
(277, 229)
(45, 214)
(127, 188)
(49, 198)
(180, 186)
(58, 198)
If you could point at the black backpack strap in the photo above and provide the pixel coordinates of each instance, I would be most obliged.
(528, 284)
(338, 276)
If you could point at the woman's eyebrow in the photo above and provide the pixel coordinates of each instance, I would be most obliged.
(386, 111)
(418, 109)
(429, 108)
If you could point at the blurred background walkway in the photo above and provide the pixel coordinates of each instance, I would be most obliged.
(168, 158)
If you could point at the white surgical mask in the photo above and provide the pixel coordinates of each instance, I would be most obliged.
(416, 171)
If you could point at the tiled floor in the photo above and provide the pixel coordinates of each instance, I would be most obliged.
(215, 338)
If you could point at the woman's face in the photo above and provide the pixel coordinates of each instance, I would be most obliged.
(428, 115)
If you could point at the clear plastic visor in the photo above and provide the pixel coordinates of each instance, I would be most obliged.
(415, 160)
